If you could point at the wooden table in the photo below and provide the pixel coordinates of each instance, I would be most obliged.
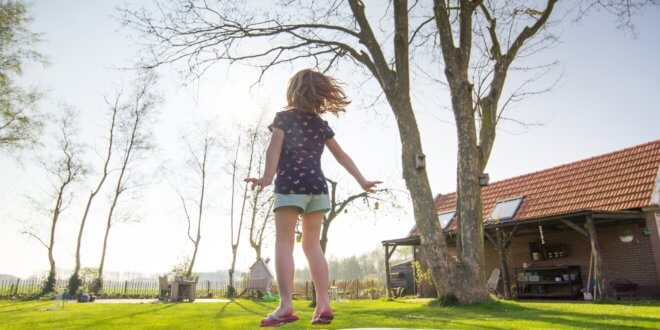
(183, 290)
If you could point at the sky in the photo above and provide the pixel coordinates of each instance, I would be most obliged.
(606, 100)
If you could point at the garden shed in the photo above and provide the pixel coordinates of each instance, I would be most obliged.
(403, 278)
(551, 231)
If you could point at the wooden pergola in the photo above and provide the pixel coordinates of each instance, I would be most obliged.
(501, 234)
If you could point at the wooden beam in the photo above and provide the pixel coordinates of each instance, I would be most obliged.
(619, 215)
(490, 238)
(577, 228)
(509, 237)
(598, 267)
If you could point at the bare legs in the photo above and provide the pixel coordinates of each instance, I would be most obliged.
(285, 225)
(318, 266)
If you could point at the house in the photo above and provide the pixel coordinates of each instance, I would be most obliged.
(552, 231)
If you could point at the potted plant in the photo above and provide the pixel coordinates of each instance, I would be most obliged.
(626, 236)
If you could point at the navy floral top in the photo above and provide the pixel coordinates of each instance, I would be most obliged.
(299, 168)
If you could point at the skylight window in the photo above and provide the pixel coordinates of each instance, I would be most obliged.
(445, 218)
(505, 210)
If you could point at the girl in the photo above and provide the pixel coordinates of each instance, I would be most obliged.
(294, 153)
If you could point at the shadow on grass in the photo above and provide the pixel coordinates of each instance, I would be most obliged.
(504, 311)
(222, 310)
(150, 309)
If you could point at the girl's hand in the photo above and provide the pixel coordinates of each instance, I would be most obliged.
(261, 183)
(369, 186)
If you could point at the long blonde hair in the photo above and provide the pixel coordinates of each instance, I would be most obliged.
(312, 91)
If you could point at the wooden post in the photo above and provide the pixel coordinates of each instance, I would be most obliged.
(414, 269)
(598, 267)
(18, 281)
(387, 272)
(504, 267)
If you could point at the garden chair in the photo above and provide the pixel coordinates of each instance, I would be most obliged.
(165, 288)
(493, 281)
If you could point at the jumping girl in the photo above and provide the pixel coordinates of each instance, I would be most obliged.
(294, 153)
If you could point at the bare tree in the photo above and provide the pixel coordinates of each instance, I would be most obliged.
(74, 280)
(201, 150)
(133, 141)
(236, 166)
(64, 170)
(201, 35)
(261, 207)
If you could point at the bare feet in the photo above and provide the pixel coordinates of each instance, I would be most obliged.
(281, 311)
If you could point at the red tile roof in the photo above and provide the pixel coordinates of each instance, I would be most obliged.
(616, 181)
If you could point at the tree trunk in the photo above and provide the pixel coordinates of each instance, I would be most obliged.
(469, 214)
(49, 285)
(105, 245)
(232, 288)
(192, 260)
(433, 240)
(76, 268)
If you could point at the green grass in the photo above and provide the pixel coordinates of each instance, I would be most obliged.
(245, 314)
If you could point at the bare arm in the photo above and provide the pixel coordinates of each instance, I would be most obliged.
(272, 158)
(347, 162)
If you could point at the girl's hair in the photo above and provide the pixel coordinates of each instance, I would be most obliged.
(312, 91)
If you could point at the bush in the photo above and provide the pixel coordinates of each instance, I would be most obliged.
(97, 285)
(49, 284)
(74, 285)
(444, 301)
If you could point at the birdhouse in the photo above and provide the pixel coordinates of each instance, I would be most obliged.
(420, 161)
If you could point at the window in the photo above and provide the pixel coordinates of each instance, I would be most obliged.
(505, 210)
(445, 218)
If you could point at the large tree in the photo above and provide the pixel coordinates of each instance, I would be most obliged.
(200, 34)
(20, 125)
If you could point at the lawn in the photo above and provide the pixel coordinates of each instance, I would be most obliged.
(245, 314)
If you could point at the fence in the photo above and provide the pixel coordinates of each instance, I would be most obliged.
(113, 289)
(340, 289)
(343, 289)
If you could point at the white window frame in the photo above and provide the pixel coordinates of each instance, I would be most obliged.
(453, 214)
(515, 210)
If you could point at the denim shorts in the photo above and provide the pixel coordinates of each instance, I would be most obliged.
(305, 203)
